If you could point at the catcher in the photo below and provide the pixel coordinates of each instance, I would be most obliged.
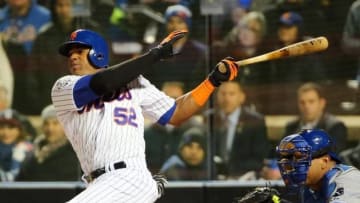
(309, 166)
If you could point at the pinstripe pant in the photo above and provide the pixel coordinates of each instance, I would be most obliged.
(123, 185)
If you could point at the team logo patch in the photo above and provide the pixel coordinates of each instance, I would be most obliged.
(63, 83)
(73, 35)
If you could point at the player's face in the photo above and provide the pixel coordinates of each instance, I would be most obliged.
(230, 97)
(249, 35)
(9, 134)
(78, 62)
(311, 106)
(193, 154)
(288, 34)
(316, 171)
(176, 23)
(53, 130)
(63, 9)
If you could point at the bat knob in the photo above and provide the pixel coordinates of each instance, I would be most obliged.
(221, 67)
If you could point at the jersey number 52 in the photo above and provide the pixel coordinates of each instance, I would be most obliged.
(125, 116)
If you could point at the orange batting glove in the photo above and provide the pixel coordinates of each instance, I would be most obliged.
(217, 76)
(165, 48)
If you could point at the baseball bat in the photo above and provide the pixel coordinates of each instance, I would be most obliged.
(301, 48)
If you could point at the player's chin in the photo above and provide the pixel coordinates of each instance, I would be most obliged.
(75, 71)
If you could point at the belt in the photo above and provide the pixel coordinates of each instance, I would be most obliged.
(98, 172)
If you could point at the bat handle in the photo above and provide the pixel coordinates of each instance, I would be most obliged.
(221, 67)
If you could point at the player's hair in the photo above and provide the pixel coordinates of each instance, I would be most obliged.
(310, 86)
(247, 22)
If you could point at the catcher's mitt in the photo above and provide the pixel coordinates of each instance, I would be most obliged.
(260, 195)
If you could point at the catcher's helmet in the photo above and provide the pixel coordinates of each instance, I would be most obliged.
(296, 152)
(98, 55)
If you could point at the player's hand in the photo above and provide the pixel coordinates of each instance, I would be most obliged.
(216, 77)
(165, 48)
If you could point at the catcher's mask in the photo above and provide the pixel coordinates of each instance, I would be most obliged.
(296, 151)
(98, 55)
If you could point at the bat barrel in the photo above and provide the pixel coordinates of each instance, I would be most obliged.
(298, 49)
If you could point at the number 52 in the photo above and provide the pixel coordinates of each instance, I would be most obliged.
(125, 116)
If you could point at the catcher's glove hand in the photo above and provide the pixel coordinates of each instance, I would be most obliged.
(165, 48)
(260, 195)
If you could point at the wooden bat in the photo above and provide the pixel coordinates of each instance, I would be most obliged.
(301, 48)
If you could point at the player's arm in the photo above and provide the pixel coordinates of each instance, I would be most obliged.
(188, 104)
(119, 75)
(91, 87)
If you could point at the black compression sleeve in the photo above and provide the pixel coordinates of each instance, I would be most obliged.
(119, 75)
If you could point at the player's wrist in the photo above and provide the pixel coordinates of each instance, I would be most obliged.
(155, 53)
(202, 92)
(214, 80)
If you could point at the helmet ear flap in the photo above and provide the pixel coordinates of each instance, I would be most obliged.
(96, 58)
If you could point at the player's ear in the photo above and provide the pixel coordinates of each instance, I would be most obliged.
(324, 161)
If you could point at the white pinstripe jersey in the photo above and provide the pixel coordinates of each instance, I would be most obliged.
(104, 132)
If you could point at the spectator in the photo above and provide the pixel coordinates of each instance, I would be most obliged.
(189, 163)
(188, 67)
(313, 115)
(20, 23)
(310, 165)
(51, 150)
(240, 133)
(47, 65)
(270, 170)
(234, 11)
(351, 39)
(245, 41)
(12, 134)
(163, 141)
(303, 68)
(6, 76)
(5, 160)
(7, 112)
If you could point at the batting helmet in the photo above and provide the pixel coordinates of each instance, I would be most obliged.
(98, 55)
(296, 152)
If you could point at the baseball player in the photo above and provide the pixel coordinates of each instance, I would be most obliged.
(102, 110)
(307, 162)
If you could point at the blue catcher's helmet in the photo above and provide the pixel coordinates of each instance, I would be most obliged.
(98, 55)
(296, 151)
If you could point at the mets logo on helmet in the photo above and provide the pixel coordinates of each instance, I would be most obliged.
(73, 35)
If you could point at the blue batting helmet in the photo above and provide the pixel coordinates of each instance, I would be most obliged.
(296, 152)
(98, 55)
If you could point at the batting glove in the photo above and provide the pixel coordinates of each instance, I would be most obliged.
(165, 48)
(216, 76)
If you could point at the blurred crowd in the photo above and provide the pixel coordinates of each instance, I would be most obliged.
(230, 135)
